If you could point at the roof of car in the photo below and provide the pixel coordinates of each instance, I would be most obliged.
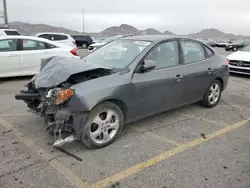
(53, 33)
(6, 29)
(153, 38)
(26, 37)
(20, 36)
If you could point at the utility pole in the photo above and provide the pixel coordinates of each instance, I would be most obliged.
(5, 14)
(83, 24)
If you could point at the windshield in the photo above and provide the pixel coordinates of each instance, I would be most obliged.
(117, 54)
(246, 49)
(110, 39)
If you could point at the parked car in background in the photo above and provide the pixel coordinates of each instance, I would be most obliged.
(97, 45)
(212, 43)
(234, 46)
(61, 38)
(21, 55)
(239, 62)
(82, 40)
(6, 32)
(222, 44)
(126, 80)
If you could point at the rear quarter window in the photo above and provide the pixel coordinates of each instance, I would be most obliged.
(59, 37)
(11, 32)
(50, 46)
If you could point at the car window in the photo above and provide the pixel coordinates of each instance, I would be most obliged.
(45, 36)
(117, 54)
(8, 45)
(58, 37)
(210, 53)
(192, 51)
(7, 32)
(50, 46)
(33, 45)
(165, 55)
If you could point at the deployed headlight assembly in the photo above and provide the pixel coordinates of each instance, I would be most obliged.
(63, 95)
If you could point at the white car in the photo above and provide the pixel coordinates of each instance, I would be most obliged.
(239, 62)
(97, 45)
(6, 32)
(61, 38)
(21, 55)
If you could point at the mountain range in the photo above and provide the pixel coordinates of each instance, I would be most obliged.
(27, 28)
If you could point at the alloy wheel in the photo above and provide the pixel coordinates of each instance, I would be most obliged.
(214, 95)
(104, 127)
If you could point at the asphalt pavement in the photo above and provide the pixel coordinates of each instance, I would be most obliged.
(185, 148)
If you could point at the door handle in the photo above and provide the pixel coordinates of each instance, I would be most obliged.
(178, 77)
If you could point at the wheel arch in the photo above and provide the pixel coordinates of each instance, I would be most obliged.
(221, 82)
(121, 104)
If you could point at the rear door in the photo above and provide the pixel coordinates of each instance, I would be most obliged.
(31, 54)
(196, 71)
(9, 55)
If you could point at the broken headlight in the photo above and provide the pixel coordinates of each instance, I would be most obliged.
(62, 95)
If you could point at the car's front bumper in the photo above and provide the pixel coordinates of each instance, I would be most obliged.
(57, 119)
(239, 70)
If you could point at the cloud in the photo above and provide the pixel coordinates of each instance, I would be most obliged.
(178, 16)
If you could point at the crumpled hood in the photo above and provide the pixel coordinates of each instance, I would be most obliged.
(56, 70)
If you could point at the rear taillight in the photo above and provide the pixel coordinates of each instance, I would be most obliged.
(74, 42)
(74, 51)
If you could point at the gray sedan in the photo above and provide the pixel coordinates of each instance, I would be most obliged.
(123, 81)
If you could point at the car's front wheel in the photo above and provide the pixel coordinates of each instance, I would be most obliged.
(212, 95)
(103, 125)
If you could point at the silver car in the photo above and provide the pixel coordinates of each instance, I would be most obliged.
(123, 81)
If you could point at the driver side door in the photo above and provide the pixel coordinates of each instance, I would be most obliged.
(150, 89)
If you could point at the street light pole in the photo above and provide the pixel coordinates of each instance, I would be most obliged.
(83, 24)
(5, 14)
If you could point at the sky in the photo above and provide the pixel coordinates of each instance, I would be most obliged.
(178, 16)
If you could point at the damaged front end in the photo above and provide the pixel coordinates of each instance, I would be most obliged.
(51, 105)
(51, 94)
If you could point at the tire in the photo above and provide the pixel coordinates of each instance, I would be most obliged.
(207, 100)
(84, 45)
(92, 135)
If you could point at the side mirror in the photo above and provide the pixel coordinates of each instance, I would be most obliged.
(147, 65)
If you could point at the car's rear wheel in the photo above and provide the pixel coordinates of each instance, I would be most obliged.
(103, 125)
(212, 95)
(84, 45)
